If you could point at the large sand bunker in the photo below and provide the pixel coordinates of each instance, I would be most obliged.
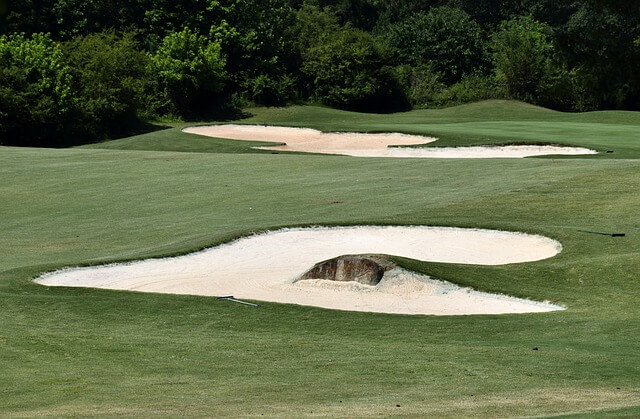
(371, 145)
(266, 266)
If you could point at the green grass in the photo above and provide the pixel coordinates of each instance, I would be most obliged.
(83, 352)
(492, 122)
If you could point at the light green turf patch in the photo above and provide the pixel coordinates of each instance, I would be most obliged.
(80, 352)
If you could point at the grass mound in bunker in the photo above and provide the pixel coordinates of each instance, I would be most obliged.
(367, 270)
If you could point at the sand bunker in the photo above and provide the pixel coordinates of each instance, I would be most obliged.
(265, 267)
(371, 145)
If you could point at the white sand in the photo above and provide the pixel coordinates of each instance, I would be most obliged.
(265, 266)
(371, 145)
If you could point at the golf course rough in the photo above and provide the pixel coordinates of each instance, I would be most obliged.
(393, 145)
(267, 267)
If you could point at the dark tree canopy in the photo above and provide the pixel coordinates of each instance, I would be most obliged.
(36, 94)
(119, 62)
(447, 38)
(349, 71)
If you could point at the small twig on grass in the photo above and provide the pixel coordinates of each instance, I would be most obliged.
(232, 299)
(603, 234)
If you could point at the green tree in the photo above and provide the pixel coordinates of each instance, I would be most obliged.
(361, 14)
(191, 73)
(255, 37)
(525, 59)
(601, 46)
(393, 11)
(421, 84)
(30, 16)
(350, 71)
(472, 88)
(492, 12)
(263, 58)
(314, 26)
(445, 38)
(110, 77)
(4, 11)
(163, 17)
(35, 90)
(269, 91)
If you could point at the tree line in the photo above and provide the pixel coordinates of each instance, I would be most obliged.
(78, 70)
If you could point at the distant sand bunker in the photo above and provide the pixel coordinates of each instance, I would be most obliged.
(265, 267)
(371, 145)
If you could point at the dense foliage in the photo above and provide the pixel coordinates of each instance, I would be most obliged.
(350, 70)
(110, 78)
(446, 37)
(35, 89)
(190, 72)
(524, 58)
(116, 63)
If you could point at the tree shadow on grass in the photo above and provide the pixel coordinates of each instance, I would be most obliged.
(225, 115)
(68, 135)
(124, 131)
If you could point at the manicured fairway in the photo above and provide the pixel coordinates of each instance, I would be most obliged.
(492, 122)
(81, 352)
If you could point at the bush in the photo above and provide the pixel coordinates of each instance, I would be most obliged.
(271, 91)
(601, 42)
(585, 95)
(314, 26)
(349, 71)
(35, 91)
(446, 38)
(110, 76)
(472, 88)
(190, 73)
(421, 84)
(424, 88)
(525, 59)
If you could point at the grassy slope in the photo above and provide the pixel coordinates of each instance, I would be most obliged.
(84, 352)
(492, 122)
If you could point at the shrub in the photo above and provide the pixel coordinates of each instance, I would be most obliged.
(191, 73)
(110, 76)
(271, 91)
(421, 84)
(472, 88)
(445, 38)
(524, 56)
(314, 26)
(35, 91)
(350, 71)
